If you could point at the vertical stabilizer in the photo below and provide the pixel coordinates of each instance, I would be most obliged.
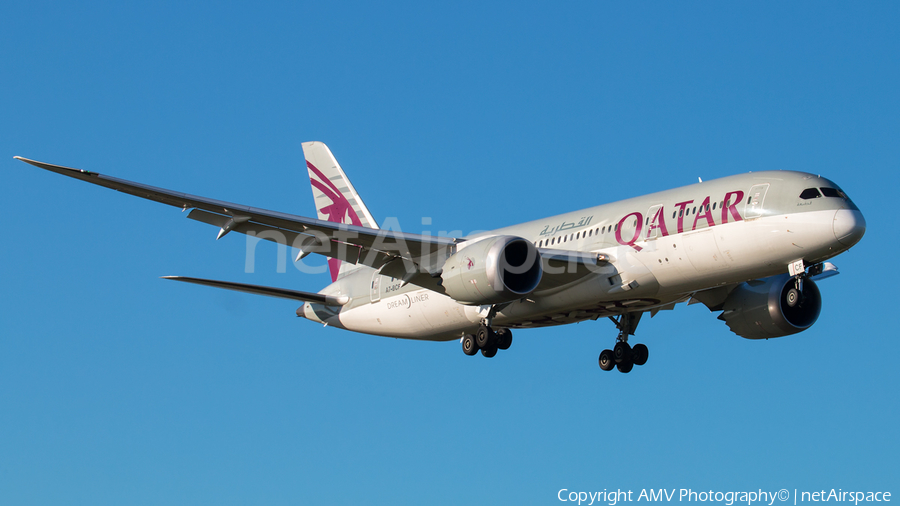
(335, 198)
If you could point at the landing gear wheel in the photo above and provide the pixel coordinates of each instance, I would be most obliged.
(792, 297)
(639, 354)
(623, 357)
(607, 361)
(504, 339)
(484, 336)
(468, 345)
(489, 351)
(622, 353)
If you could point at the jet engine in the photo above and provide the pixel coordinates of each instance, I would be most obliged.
(772, 307)
(492, 270)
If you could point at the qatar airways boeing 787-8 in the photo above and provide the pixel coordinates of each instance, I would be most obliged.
(750, 246)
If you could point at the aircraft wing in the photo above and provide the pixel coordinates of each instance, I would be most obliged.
(413, 257)
(562, 267)
(350, 243)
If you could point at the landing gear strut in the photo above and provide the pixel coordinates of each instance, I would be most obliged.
(623, 357)
(793, 296)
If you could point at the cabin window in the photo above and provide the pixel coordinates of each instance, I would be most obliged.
(673, 214)
(707, 207)
(714, 205)
(577, 235)
(616, 227)
(833, 192)
(810, 193)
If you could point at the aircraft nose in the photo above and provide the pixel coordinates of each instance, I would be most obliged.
(849, 226)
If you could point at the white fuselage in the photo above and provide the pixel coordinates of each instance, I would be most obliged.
(661, 247)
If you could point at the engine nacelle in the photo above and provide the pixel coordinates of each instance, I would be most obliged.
(772, 307)
(492, 270)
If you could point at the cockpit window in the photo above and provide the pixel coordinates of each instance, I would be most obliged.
(833, 192)
(810, 193)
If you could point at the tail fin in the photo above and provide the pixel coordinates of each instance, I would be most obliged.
(335, 198)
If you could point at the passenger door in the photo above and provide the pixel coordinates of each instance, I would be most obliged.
(754, 208)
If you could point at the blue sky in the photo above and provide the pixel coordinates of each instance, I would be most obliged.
(117, 387)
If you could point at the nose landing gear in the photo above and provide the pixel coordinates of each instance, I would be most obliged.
(624, 357)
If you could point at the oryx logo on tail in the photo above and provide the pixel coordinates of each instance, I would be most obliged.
(339, 211)
(335, 198)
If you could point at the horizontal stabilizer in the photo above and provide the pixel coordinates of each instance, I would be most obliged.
(283, 293)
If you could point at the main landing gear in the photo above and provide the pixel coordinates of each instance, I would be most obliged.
(624, 357)
(487, 341)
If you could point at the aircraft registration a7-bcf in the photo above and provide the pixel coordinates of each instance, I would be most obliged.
(749, 245)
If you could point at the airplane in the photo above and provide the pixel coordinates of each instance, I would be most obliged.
(749, 246)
